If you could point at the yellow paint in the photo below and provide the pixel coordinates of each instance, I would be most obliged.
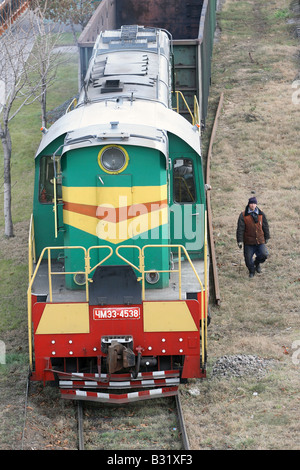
(64, 318)
(116, 197)
(117, 232)
(82, 222)
(167, 316)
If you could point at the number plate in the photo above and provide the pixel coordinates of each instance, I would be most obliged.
(117, 313)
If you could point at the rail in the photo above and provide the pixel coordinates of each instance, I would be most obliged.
(182, 252)
(194, 116)
(97, 414)
(31, 248)
(208, 203)
(72, 105)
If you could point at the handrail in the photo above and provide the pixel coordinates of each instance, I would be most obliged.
(180, 94)
(55, 207)
(182, 180)
(31, 248)
(127, 261)
(87, 263)
(205, 280)
(72, 105)
(141, 269)
(31, 281)
(196, 115)
(180, 247)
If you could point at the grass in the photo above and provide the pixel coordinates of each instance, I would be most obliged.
(109, 429)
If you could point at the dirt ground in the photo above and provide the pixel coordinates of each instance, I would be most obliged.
(256, 152)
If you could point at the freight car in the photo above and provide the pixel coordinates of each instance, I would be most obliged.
(118, 282)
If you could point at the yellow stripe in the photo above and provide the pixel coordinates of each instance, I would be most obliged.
(117, 232)
(82, 222)
(167, 316)
(116, 196)
(64, 318)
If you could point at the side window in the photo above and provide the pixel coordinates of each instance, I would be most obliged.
(183, 181)
(46, 185)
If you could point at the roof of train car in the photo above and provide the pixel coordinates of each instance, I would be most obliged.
(129, 114)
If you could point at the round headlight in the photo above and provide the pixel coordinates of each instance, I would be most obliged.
(79, 279)
(152, 277)
(113, 159)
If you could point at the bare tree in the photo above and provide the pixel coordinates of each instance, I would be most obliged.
(45, 54)
(15, 48)
(70, 12)
(28, 67)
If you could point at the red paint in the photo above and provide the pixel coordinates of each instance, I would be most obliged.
(155, 344)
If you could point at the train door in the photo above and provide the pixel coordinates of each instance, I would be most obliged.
(186, 212)
(114, 199)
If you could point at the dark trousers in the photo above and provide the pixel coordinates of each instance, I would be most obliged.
(259, 251)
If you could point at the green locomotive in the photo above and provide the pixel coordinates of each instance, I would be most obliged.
(119, 226)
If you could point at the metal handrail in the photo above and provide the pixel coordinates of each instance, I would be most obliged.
(141, 269)
(87, 261)
(31, 281)
(127, 261)
(205, 282)
(180, 247)
(72, 105)
(196, 115)
(31, 247)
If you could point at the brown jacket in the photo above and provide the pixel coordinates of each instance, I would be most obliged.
(251, 232)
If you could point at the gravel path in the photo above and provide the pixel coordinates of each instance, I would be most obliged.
(240, 365)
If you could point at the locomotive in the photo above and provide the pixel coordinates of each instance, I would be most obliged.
(118, 259)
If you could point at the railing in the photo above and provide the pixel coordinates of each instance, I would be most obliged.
(194, 116)
(88, 270)
(72, 105)
(31, 248)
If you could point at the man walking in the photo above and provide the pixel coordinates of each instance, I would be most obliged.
(253, 231)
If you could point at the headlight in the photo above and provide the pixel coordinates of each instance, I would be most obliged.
(79, 279)
(152, 277)
(113, 159)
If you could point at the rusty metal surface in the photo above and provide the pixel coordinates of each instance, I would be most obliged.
(209, 211)
(180, 18)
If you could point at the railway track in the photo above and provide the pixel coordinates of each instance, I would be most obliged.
(96, 423)
(146, 425)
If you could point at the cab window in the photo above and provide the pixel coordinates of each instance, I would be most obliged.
(184, 181)
(46, 185)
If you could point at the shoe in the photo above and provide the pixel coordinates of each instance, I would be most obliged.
(258, 268)
(251, 275)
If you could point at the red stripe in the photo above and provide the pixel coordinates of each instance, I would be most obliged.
(122, 398)
(133, 384)
(115, 214)
(117, 377)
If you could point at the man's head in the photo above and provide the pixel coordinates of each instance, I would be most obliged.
(252, 203)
